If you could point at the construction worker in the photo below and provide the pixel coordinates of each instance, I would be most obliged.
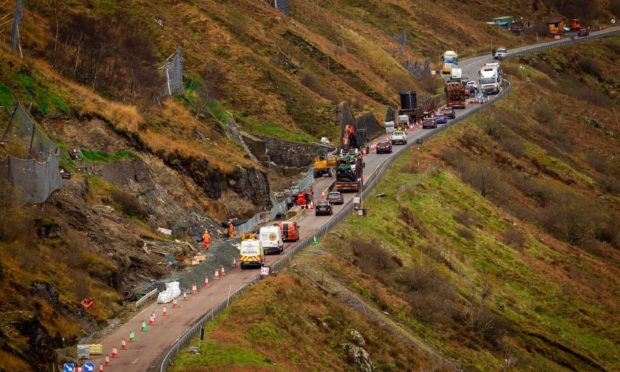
(231, 230)
(206, 240)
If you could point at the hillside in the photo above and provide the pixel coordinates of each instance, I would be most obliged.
(494, 245)
(91, 76)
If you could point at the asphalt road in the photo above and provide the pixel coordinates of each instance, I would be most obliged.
(145, 353)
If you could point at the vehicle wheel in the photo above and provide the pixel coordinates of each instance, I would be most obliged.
(242, 266)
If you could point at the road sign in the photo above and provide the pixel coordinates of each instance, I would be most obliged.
(264, 270)
(89, 367)
(69, 367)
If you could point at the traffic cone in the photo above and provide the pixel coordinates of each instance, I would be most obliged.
(174, 303)
(107, 360)
(216, 275)
(145, 328)
(164, 312)
(184, 296)
(315, 241)
(132, 336)
(311, 206)
(206, 283)
(123, 344)
(152, 320)
(223, 271)
(101, 368)
(79, 369)
(114, 352)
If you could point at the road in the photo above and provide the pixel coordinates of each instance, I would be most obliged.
(145, 353)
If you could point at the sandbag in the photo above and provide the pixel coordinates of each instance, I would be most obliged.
(172, 291)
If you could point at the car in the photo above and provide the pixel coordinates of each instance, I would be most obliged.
(384, 147)
(335, 197)
(500, 53)
(323, 208)
(440, 118)
(583, 32)
(429, 123)
(448, 112)
(399, 137)
(471, 86)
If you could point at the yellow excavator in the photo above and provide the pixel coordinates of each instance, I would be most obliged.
(324, 164)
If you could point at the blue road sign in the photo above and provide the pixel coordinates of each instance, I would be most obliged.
(89, 367)
(69, 367)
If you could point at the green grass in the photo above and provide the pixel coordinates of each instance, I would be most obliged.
(104, 157)
(48, 102)
(214, 354)
(259, 127)
(6, 97)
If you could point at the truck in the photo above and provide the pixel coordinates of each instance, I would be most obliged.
(409, 107)
(349, 173)
(456, 74)
(456, 94)
(490, 79)
(449, 61)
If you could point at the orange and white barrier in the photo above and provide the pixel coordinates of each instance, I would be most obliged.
(223, 271)
(123, 344)
(194, 289)
(164, 311)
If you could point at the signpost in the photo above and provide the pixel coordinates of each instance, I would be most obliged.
(89, 367)
(69, 367)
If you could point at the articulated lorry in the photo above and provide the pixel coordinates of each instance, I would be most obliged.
(349, 173)
(456, 95)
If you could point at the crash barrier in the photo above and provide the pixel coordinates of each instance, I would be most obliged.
(347, 209)
(278, 208)
(33, 164)
(517, 52)
(146, 297)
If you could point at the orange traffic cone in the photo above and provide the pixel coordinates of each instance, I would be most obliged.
(114, 352)
(206, 283)
(123, 344)
(101, 368)
(216, 276)
(311, 205)
(164, 312)
(223, 271)
(184, 296)
(194, 289)
(152, 319)
(107, 360)
(174, 303)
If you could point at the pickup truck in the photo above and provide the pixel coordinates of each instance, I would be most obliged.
(399, 137)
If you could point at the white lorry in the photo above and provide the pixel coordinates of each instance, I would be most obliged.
(271, 239)
(389, 127)
(490, 81)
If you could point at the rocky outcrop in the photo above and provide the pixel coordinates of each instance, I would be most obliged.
(293, 154)
(257, 146)
(359, 357)
(46, 291)
(249, 182)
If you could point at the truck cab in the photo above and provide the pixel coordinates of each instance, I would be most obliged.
(251, 254)
(489, 80)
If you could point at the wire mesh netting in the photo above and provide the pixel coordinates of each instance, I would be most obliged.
(173, 75)
(30, 159)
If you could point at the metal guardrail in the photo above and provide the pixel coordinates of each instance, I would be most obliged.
(372, 182)
(146, 297)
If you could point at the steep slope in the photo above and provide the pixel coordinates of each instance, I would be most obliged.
(496, 243)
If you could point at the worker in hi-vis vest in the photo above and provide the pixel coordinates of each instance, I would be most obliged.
(206, 240)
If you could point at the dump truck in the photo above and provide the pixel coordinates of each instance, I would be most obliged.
(324, 164)
(456, 95)
(349, 173)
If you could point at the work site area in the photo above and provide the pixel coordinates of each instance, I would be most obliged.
(386, 185)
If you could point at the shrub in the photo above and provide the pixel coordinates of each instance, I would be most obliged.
(465, 218)
(590, 66)
(514, 237)
(544, 114)
(372, 258)
(466, 233)
(572, 217)
(129, 204)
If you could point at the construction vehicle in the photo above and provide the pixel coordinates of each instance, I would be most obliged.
(349, 173)
(324, 164)
(575, 24)
(456, 95)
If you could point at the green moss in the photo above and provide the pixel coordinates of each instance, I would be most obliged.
(6, 97)
(259, 127)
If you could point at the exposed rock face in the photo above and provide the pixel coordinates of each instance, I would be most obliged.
(46, 291)
(257, 146)
(356, 337)
(359, 357)
(293, 154)
(251, 183)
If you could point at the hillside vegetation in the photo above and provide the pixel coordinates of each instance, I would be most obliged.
(495, 244)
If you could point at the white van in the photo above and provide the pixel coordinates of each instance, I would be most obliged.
(389, 127)
(251, 253)
(403, 119)
(271, 239)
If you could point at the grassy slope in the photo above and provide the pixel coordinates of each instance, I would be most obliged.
(504, 280)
